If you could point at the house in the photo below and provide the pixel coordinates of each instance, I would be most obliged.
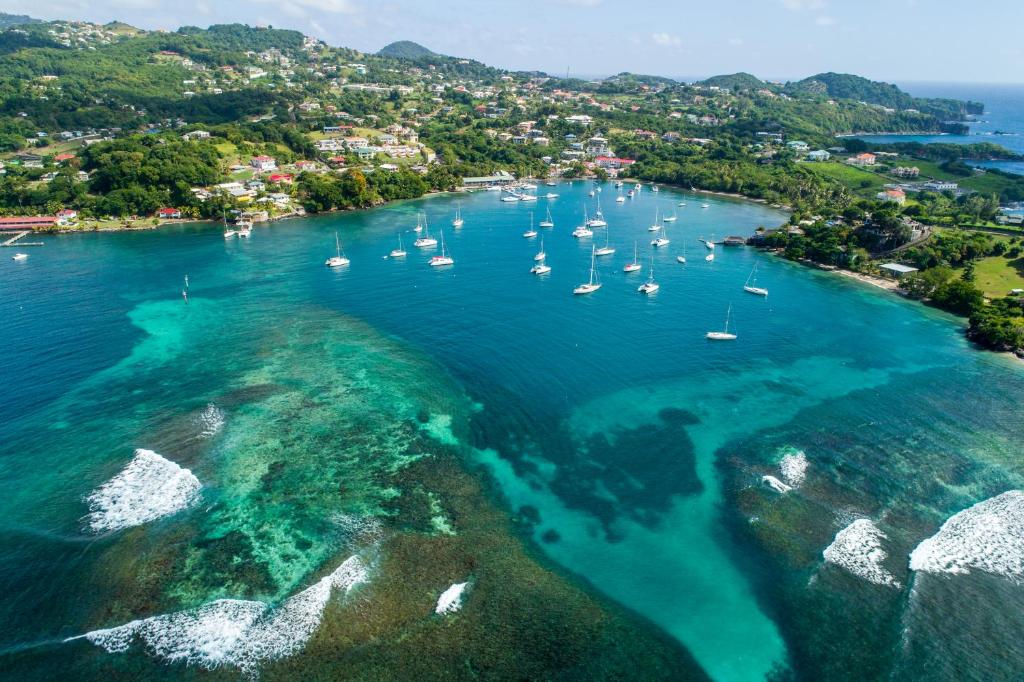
(896, 195)
(862, 159)
(896, 270)
(282, 178)
(819, 155)
(66, 216)
(580, 119)
(941, 186)
(612, 162)
(263, 163)
(27, 223)
(168, 213)
(598, 146)
(61, 158)
(798, 145)
(906, 172)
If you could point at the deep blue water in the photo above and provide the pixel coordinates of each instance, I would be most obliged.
(632, 446)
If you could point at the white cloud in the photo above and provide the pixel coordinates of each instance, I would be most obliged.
(663, 39)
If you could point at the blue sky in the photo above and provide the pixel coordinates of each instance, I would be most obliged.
(893, 40)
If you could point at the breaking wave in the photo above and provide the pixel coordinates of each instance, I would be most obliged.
(234, 632)
(450, 600)
(793, 466)
(988, 537)
(775, 484)
(858, 549)
(210, 421)
(148, 488)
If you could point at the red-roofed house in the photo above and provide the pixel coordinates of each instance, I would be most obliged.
(169, 213)
(608, 162)
(66, 216)
(26, 223)
(863, 159)
(283, 178)
(61, 158)
(263, 163)
(896, 195)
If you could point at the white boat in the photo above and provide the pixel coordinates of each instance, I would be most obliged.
(228, 234)
(458, 221)
(426, 241)
(723, 336)
(547, 222)
(551, 195)
(244, 228)
(620, 199)
(337, 260)
(598, 219)
(670, 218)
(619, 183)
(400, 251)
(635, 265)
(654, 188)
(551, 183)
(709, 258)
(656, 225)
(531, 233)
(540, 254)
(582, 232)
(607, 249)
(445, 258)
(682, 203)
(660, 241)
(682, 257)
(638, 187)
(650, 286)
(527, 197)
(592, 285)
(629, 194)
(510, 198)
(591, 192)
(705, 205)
(751, 284)
(528, 186)
(493, 188)
(419, 225)
(20, 256)
(708, 243)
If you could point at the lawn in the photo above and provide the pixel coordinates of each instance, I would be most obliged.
(859, 180)
(997, 275)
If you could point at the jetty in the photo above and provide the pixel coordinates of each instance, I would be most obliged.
(16, 240)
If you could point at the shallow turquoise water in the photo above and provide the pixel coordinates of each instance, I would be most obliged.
(630, 446)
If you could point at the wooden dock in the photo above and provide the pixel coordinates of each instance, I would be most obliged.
(15, 240)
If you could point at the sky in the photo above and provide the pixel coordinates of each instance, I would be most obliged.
(891, 40)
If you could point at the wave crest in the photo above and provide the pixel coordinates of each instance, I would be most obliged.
(858, 549)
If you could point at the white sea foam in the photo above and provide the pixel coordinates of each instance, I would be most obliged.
(793, 466)
(775, 484)
(210, 421)
(858, 549)
(450, 600)
(988, 537)
(148, 488)
(234, 632)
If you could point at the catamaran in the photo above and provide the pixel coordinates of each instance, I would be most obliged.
(531, 233)
(607, 249)
(547, 222)
(635, 265)
(660, 241)
(337, 260)
(751, 285)
(244, 228)
(723, 336)
(650, 286)
(445, 258)
(670, 218)
(400, 251)
(656, 225)
(426, 241)
(593, 285)
(458, 221)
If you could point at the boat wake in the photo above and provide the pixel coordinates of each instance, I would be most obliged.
(858, 549)
(987, 537)
(450, 600)
(234, 632)
(149, 488)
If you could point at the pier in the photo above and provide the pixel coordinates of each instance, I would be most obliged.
(15, 240)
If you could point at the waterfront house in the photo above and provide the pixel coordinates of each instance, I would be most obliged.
(896, 270)
(66, 217)
(263, 163)
(168, 213)
(19, 223)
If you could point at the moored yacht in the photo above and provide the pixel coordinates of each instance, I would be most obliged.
(547, 222)
(400, 251)
(635, 265)
(426, 241)
(724, 335)
(339, 259)
(444, 258)
(20, 256)
(592, 285)
(531, 233)
(661, 240)
(458, 221)
(656, 225)
(751, 284)
(650, 286)
(244, 228)
(540, 254)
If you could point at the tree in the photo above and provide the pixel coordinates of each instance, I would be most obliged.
(959, 297)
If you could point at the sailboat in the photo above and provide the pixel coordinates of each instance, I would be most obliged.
(593, 285)
(531, 233)
(584, 229)
(670, 218)
(540, 267)
(598, 219)
(458, 221)
(708, 243)
(656, 225)
(547, 222)
(445, 258)
(635, 265)
(620, 199)
(723, 336)
(710, 257)
(184, 292)
(426, 241)
(228, 233)
(336, 260)
(751, 285)
(419, 225)
(650, 286)
(682, 258)
(660, 241)
(607, 249)
(705, 205)
(400, 251)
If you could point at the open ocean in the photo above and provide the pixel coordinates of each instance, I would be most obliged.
(630, 449)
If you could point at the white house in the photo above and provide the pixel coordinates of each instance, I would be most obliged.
(819, 155)
(263, 163)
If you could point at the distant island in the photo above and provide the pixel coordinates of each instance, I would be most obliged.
(113, 127)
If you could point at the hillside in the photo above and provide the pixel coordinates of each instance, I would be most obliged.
(405, 49)
(7, 20)
(736, 82)
(848, 86)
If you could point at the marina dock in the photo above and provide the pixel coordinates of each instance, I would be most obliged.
(15, 240)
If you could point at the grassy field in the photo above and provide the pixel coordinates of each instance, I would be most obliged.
(863, 182)
(997, 275)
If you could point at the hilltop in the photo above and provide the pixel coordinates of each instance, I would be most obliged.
(406, 49)
(7, 20)
(736, 82)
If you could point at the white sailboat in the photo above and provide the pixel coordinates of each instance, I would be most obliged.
(725, 335)
(445, 258)
(527, 197)
(228, 233)
(607, 249)
(547, 222)
(598, 219)
(650, 286)
(592, 285)
(583, 231)
(660, 241)
(620, 199)
(540, 266)
(705, 205)
(458, 221)
(531, 233)
(426, 241)
(635, 265)
(337, 260)
(682, 257)
(540, 254)
(400, 251)
(751, 284)
(419, 225)
(656, 225)
(551, 195)
(708, 243)
(670, 218)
